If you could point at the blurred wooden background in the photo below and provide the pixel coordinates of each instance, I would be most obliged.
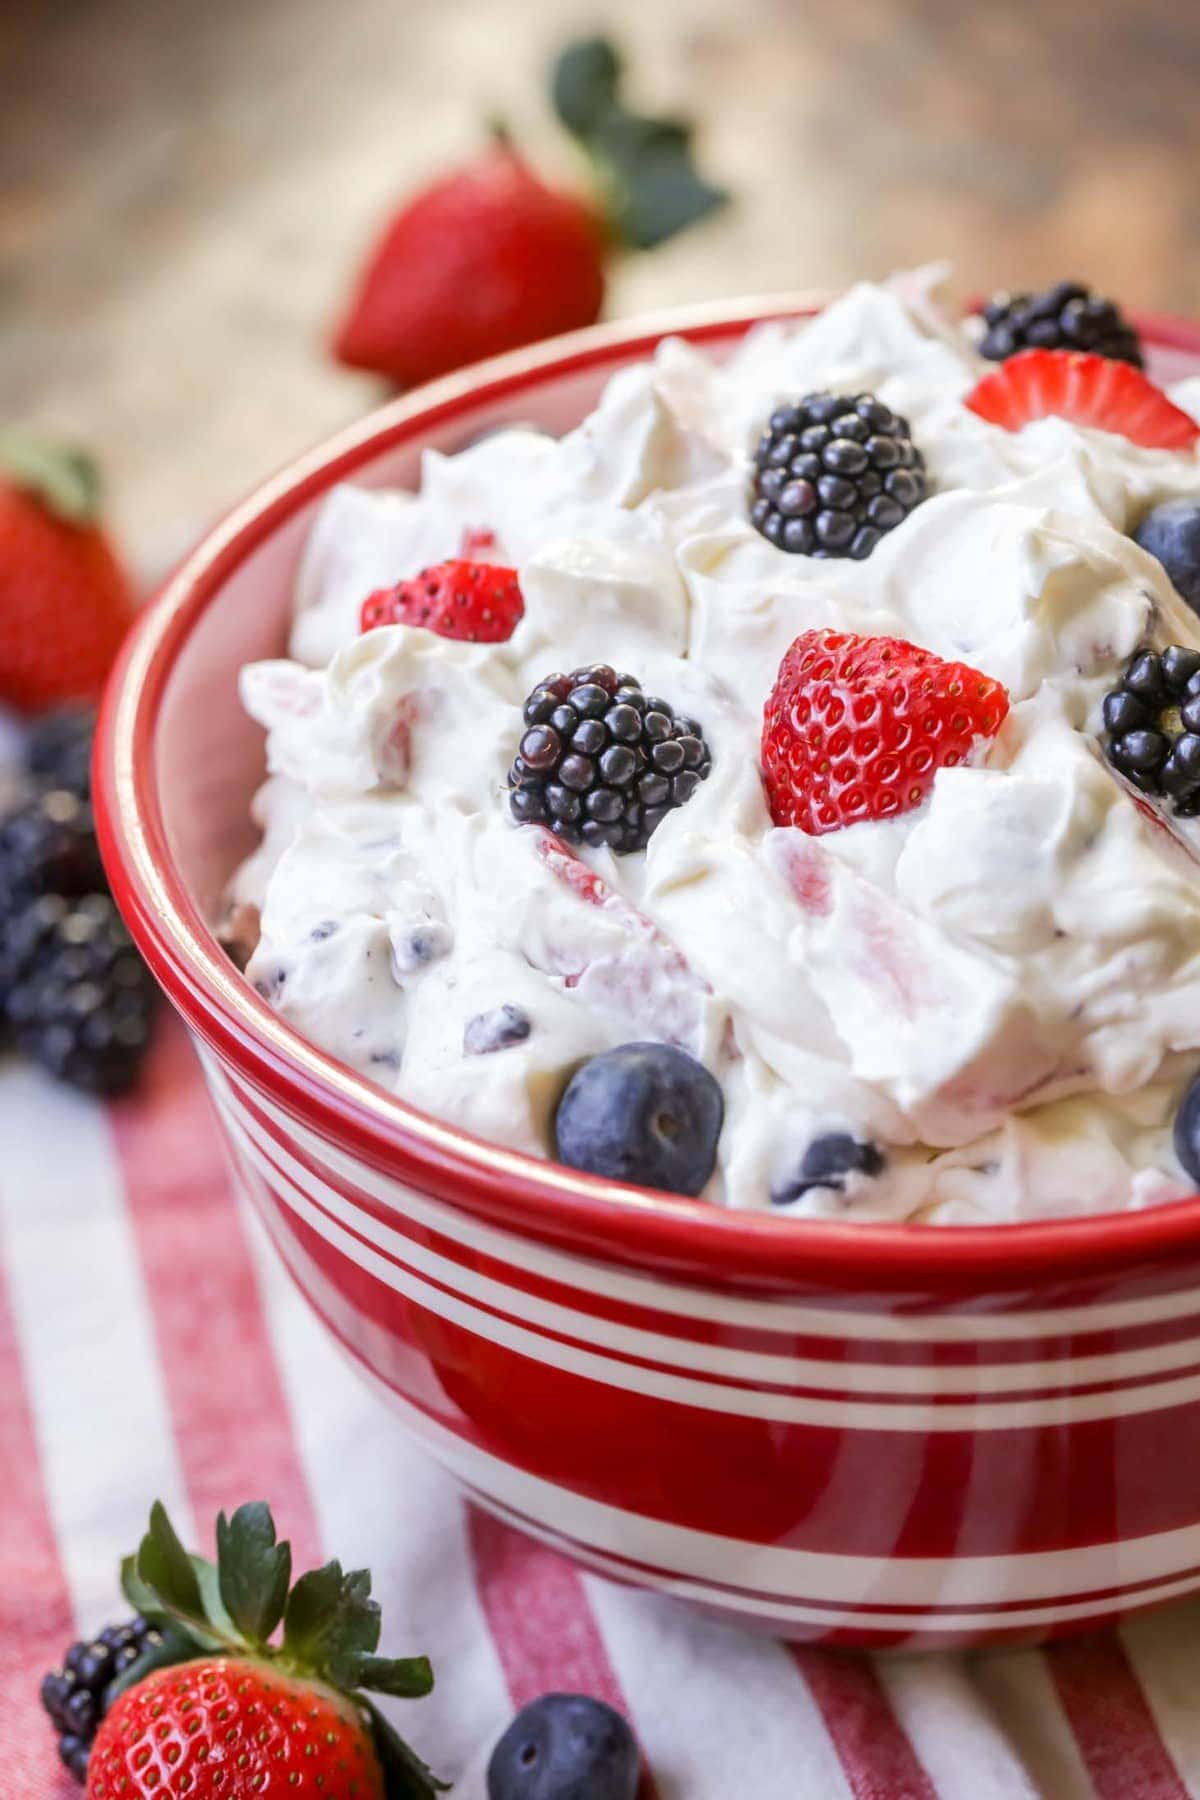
(187, 185)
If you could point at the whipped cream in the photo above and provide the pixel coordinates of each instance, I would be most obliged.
(1000, 989)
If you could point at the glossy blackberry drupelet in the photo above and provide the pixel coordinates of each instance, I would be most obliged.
(827, 1162)
(565, 1747)
(1152, 725)
(73, 1695)
(48, 846)
(1067, 316)
(601, 762)
(79, 998)
(59, 748)
(832, 473)
(645, 1113)
(1171, 532)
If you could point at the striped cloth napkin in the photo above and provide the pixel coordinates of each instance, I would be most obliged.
(150, 1346)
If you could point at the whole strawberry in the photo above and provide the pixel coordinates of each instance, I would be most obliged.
(226, 1713)
(489, 257)
(186, 1730)
(857, 727)
(484, 260)
(65, 602)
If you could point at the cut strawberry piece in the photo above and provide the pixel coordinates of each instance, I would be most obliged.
(583, 881)
(857, 727)
(1086, 390)
(475, 602)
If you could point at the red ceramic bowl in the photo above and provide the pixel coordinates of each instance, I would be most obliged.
(855, 1434)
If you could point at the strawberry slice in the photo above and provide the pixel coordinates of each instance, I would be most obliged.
(593, 890)
(1087, 390)
(857, 728)
(474, 602)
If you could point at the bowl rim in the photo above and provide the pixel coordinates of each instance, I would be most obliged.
(621, 1222)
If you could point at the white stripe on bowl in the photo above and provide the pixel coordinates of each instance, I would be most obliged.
(1035, 1588)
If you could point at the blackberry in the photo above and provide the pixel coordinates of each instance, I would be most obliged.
(1152, 725)
(1067, 316)
(832, 473)
(59, 749)
(601, 762)
(79, 998)
(74, 1695)
(48, 846)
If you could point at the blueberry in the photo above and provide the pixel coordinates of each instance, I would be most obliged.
(645, 1113)
(564, 1747)
(1172, 533)
(1187, 1131)
(827, 1162)
(499, 1029)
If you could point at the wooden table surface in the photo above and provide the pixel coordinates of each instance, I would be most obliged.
(186, 185)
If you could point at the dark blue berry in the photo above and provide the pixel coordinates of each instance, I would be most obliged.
(644, 1113)
(1187, 1131)
(827, 1162)
(1142, 750)
(1125, 712)
(496, 1030)
(59, 748)
(596, 760)
(1180, 666)
(1152, 724)
(79, 998)
(1180, 773)
(1172, 533)
(1066, 316)
(565, 1747)
(821, 471)
(75, 1696)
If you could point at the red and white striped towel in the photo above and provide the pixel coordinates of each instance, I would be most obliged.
(150, 1346)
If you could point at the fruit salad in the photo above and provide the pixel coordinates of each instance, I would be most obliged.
(784, 789)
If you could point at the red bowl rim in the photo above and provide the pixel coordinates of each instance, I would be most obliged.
(626, 1223)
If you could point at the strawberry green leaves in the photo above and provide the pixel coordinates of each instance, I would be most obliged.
(330, 1617)
(234, 1607)
(253, 1571)
(650, 185)
(166, 1585)
(332, 1624)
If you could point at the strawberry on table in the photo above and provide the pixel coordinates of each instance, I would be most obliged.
(489, 257)
(1086, 389)
(222, 1705)
(475, 602)
(857, 727)
(65, 601)
(481, 261)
